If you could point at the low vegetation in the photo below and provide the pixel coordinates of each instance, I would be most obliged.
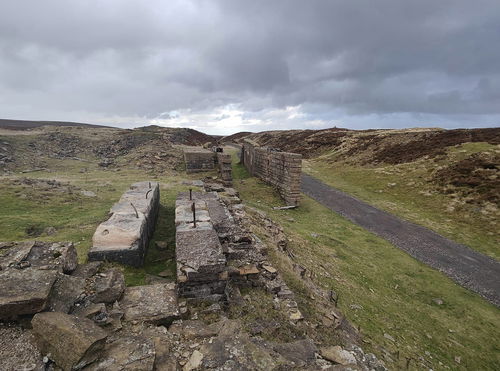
(409, 314)
(414, 191)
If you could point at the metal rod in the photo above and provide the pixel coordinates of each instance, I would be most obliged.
(190, 194)
(136, 213)
(148, 193)
(193, 208)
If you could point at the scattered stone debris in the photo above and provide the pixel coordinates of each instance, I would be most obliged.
(86, 318)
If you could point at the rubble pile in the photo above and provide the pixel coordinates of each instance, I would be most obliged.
(124, 237)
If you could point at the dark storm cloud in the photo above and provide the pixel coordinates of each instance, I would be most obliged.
(129, 62)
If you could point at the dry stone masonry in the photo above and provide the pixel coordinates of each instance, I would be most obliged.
(225, 168)
(200, 260)
(198, 159)
(280, 169)
(124, 237)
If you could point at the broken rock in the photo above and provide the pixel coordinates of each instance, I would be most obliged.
(24, 291)
(126, 353)
(65, 292)
(109, 286)
(72, 342)
(152, 303)
(338, 355)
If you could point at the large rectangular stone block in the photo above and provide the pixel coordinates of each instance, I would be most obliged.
(124, 237)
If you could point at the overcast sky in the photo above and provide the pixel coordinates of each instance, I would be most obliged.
(234, 65)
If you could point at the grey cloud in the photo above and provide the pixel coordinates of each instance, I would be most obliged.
(101, 59)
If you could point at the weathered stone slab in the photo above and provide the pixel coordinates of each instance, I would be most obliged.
(72, 342)
(198, 252)
(65, 292)
(55, 255)
(108, 286)
(24, 291)
(155, 304)
(126, 353)
(125, 235)
(45, 255)
(121, 238)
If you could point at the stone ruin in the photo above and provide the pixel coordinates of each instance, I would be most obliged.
(81, 316)
(282, 170)
(219, 255)
(225, 168)
(124, 237)
(199, 159)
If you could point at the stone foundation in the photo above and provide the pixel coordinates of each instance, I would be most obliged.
(124, 237)
(200, 259)
(280, 169)
(198, 159)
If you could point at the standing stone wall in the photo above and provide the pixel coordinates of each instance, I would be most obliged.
(198, 159)
(280, 169)
(225, 168)
(124, 237)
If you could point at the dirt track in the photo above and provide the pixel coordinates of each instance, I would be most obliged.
(469, 268)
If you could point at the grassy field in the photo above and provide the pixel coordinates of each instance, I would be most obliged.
(406, 190)
(391, 297)
(28, 209)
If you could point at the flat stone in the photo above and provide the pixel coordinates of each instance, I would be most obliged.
(87, 270)
(121, 238)
(155, 304)
(44, 255)
(88, 193)
(338, 355)
(199, 252)
(126, 353)
(248, 269)
(24, 291)
(65, 292)
(72, 342)
(109, 286)
(269, 269)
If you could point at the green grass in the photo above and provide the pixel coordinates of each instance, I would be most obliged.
(405, 190)
(393, 291)
(30, 209)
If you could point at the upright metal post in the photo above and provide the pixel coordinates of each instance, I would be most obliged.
(193, 208)
(190, 194)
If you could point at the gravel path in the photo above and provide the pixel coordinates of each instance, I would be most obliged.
(469, 268)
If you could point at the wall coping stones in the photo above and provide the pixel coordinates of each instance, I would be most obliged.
(124, 237)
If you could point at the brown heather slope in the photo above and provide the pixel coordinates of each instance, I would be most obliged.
(387, 146)
(470, 176)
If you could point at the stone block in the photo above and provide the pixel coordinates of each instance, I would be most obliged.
(24, 291)
(72, 342)
(155, 304)
(124, 237)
